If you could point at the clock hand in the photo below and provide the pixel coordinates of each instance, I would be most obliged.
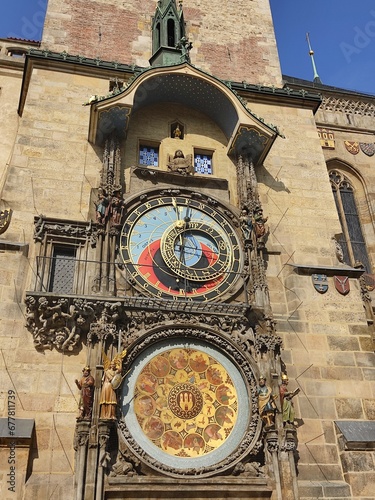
(179, 223)
(174, 203)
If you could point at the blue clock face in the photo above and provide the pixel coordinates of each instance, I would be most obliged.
(180, 248)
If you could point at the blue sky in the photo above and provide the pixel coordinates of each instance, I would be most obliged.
(342, 34)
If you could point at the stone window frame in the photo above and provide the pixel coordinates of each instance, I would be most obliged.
(79, 237)
(352, 181)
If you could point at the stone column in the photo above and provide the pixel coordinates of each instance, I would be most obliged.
(290, 447)
(287, 464)
(81, 443)
(272, 446)
(92, 453)
(104, 432)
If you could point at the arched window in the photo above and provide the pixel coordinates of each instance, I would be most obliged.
(157, 36)
(352, 240)
(171, 33)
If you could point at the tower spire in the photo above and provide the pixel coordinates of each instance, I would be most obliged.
(169, 42)
(311, 52)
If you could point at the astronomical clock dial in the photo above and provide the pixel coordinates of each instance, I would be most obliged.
(187, 408)
(180, 248)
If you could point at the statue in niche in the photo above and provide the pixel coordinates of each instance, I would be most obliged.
(86, 386)
(111, 381)
(246, 224)
(286, 402)
(102, 207)
(176, 132)
(260, 228)
(116, 208)
(180, 164)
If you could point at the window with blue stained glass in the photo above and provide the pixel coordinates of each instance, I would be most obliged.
(203, 163)
(149, 156)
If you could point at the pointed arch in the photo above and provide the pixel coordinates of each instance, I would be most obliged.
(353, 209)
(171, 39)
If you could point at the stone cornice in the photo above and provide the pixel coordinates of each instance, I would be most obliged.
(104, 69)
(351, 272)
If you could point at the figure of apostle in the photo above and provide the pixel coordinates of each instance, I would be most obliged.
(246, 224)
(102, 206)
(260, 228)
(116, 208)
(86, 386)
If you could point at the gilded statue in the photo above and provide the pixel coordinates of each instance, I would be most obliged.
(110, 382)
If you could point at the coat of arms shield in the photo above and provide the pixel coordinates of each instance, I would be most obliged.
(368, 148)
(342, 284)
(320, 282)
(352, 147)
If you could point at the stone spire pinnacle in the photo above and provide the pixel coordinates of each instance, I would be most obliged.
(168, 34)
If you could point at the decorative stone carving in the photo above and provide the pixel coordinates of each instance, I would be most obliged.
(185, 46)
(260, 228)
(126, 464)
(5, 218)
(55, 323)
(267, 343)
(249, 469)
(63, 323)
(110, 203)
(81, 436)
(180, 164)
(103, 438)
(290, 443)
(252, 220)
(347, 106)
(111, 169)
(52, 227)
(338, 250)
(272, 441)
(247, 227)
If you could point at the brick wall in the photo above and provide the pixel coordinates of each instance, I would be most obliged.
(231, 40)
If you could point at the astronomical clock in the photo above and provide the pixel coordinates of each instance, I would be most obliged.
(181, 248)
(189, 403)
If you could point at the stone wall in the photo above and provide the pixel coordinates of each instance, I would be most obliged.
(328, 346)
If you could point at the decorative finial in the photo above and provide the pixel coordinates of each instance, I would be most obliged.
(311, 53)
